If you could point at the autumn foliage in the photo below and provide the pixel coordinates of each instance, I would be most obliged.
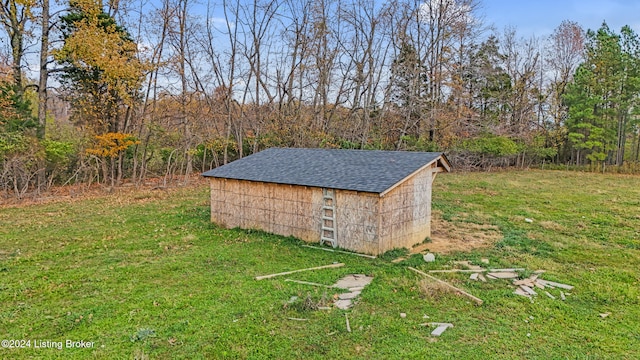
(112, 144)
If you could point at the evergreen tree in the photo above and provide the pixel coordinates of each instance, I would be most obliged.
(102, 75)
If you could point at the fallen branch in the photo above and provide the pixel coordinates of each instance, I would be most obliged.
(340, 251)
(295, 271)
(477, 300)
(297, 319)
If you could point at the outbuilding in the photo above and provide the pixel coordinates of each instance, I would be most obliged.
(366, 201)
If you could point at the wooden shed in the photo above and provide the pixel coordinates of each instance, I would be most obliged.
(364, 201)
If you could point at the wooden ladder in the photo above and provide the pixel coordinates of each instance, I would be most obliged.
(328, 231)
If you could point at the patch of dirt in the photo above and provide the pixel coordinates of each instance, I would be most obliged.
(447, 237)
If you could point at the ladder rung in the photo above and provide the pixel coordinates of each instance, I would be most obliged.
(327, 218)
(328, 240)
(328, 228)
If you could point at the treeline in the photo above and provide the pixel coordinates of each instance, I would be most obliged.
(132, 89)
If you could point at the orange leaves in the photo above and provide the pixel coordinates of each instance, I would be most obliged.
(112, 144)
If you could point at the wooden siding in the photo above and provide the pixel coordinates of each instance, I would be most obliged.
(357, 221)
(280, 209)
(405, 213)
(365, 222)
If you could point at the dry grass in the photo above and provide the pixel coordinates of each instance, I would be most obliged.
(448, 237)
(434, 290)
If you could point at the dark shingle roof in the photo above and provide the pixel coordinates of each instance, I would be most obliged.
(359, 170)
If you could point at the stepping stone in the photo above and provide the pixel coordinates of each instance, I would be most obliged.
(352, 281)
(349, 296)
(342, 304)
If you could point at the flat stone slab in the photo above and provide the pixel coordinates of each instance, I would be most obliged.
(441, 327)
(349, 296)
(353, 281)
(342, 304)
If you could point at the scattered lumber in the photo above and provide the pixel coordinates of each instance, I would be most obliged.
(527, 282)
(503, 275)
(524, 287)
(521, 292)
(555, 284)
(477, 300)
(297, 319)
(340, 251)
(300, 270)
(528, 290)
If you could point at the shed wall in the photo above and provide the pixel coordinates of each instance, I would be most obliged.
(357, 221)
(280, 209)
(365, 222)
(405, 213)
(291, 210)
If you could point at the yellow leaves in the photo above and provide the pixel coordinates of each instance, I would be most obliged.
(112, 144)
(94, 46)
(97, 44)
(92, 8)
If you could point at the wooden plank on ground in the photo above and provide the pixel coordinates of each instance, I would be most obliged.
(503, 275)
(458, 270)
(340, 251)
(555, 284)
(528, 290)
(307, 283)
(538, 285)
(300, 270)
(477, 300)
(527, 282)
(506, 270)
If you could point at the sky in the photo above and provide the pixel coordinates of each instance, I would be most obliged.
(541, 17)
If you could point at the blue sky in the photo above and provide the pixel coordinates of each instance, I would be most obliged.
(540, 17)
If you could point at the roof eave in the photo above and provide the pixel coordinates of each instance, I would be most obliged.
(444, 166)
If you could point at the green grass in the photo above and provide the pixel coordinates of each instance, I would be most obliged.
(146, 275)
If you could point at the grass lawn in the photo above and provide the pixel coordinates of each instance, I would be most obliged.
(145, 275)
